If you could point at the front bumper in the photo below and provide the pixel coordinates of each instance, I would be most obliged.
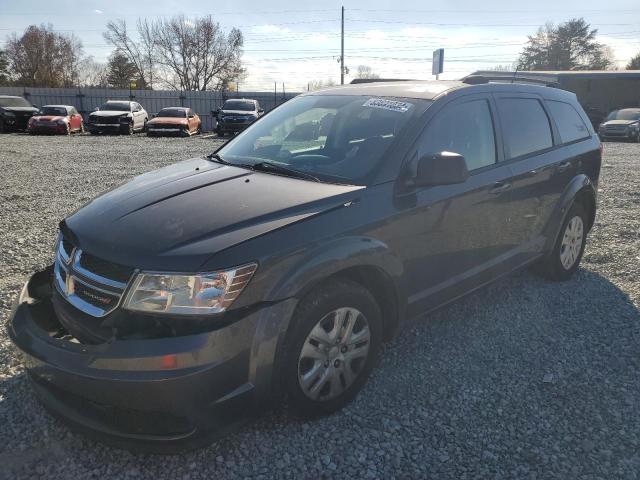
(47, 129)
(108, 127)
(617, 135)
(160, 395)
(232, 127)
(166, 131)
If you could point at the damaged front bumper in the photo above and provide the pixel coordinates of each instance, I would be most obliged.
(161, 394)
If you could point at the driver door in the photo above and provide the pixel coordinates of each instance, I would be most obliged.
(460, 234)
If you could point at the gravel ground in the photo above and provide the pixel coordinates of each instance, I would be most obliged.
(525, 379)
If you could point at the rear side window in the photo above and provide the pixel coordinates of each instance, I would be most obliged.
(568, 120)
(525, 125)
(464, 128)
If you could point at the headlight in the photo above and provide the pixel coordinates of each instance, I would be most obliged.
(61, 122)
(9, 114)
(125, 118)
(204, 293)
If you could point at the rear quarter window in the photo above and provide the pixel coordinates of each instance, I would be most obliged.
(568, 120)
(525, 125)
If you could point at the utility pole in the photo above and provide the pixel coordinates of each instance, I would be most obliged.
(342, 50)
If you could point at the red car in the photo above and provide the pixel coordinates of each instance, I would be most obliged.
(60, 119)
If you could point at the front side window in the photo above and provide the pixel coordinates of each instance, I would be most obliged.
(525, 125)
(464, 128)
(570, 124)
(338, 138)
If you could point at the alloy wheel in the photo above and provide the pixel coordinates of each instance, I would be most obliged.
(571, 242)
(334, 354)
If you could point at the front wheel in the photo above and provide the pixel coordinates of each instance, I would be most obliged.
(335, 339)
(567, 252)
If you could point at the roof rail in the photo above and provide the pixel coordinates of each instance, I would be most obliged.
(515, 78)
(374, 80)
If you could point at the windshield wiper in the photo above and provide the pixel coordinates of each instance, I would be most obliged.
(276, 168)
(214, 157)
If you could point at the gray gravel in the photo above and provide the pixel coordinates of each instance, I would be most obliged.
(525, 379)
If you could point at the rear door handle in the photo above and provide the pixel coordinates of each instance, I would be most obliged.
(564, 166)
(499, 187)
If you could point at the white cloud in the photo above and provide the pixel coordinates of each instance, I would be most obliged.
(99, 12)
(272, 29)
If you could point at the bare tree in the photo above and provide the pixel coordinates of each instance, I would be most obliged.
(4, 68)
(137, 51)
(182, 53)
(44, 58)
(365, 71)
(197, 53)
(92, 73)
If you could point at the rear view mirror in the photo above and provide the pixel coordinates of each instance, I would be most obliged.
(443, 168)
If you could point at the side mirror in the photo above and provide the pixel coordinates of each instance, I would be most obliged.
(35, 106)
(192, 116)
(261, 110)
(215, 113)
(96, 109)
(443, 168)
(154, 115)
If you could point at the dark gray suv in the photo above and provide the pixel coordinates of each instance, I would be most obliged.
(182, 302)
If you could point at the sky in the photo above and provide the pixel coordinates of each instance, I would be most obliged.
(296, 42)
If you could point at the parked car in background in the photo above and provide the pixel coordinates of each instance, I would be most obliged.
(117, 116)
(60, 119)
(180, 303)
(237, 114)
(621, 124)
(174, 121)
(15, 113)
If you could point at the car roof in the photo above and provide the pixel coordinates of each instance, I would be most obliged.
(118, 101)
(241, 99)
(425, 89)
(432, 89)
(11, 96)
(174, 108)
(58, 106)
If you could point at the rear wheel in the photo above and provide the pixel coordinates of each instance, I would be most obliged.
(567, 252)
(335, 339)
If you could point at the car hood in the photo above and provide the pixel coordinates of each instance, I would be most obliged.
(167, 121)
(620, 122)
(177, 217)
(19, 109)
(108, 113)
(237, 112)
(49, 118)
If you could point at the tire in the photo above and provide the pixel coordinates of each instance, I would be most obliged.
(68, 132)
(129, 129)
(564, 259)
(335, 371)
(81, 128)
(2, 127)
(220, 133)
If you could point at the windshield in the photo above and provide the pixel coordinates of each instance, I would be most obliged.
(338, 138)
(14, 102)
(118, 106)
(58, 111)
(628, 114)
(172, 112)
(241, 105)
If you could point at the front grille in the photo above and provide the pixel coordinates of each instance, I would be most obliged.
(104, 268)
(110, 120)
(96, 298)
(91, 284)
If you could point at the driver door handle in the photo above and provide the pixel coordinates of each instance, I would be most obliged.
(499, 187)
(563, 166)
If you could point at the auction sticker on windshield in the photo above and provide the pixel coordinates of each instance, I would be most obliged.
(392, 105)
